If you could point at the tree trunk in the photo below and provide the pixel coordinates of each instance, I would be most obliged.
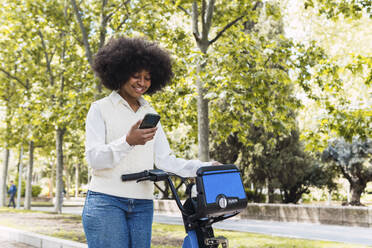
(356, 189)
(77, 171)
(28, 193)
(20, 169)
(59, 171)
(203, 43)
(203, 119)
(4, 171)
(270, 191)
(51, 185)
(3, 178)
(68, 183)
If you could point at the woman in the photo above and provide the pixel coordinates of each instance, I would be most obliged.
(119, 214)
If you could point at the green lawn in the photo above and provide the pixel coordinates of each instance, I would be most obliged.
(69, 227)
(249, 240)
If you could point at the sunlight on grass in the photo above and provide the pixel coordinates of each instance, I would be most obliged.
(164, 236)
(250, 240)
(69, 235)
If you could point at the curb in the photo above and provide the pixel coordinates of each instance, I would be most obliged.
(37, 240)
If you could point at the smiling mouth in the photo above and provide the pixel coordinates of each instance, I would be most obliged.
(139, 89)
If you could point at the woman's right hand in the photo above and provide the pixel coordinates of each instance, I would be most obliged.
(138, 136)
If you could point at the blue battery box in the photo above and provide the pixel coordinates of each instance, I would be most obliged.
(220, 191)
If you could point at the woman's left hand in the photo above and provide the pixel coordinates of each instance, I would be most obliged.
(216, 163)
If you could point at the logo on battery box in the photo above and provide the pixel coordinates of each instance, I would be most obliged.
(232, 200)
(221, 201)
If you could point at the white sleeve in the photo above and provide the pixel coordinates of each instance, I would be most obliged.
(99, 154)
(165, 160)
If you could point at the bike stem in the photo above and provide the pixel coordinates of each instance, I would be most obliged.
(175, 196)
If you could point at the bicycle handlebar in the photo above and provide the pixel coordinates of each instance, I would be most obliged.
(155, 176)
(151, 175)
(134, 176)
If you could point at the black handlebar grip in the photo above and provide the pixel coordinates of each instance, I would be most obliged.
(134, 176)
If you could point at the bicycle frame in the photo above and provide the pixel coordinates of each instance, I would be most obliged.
(214, 202)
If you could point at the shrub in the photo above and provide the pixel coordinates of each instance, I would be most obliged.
(36, 190)
(254, 196)
(306, 198)
(337, 196)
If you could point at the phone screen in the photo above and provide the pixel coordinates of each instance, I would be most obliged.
(149, 121)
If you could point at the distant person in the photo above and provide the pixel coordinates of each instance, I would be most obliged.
(12, 191)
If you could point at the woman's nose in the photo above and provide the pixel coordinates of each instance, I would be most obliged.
(141, 81)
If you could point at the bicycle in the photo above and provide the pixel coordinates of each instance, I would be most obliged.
(214, 201)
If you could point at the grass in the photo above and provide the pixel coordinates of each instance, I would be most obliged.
(250, 240)
(69, 227)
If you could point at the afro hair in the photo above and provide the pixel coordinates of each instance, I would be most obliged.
(122, 57)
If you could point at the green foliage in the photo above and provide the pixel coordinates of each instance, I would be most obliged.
(285, 165)
(36, 189)
(334, 8)
(255, 196)
(337, 196)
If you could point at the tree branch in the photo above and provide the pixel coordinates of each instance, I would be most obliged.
(127, 16)
(125, 19)
(195, 14)
(224, 29)
(122, 23)
(48, 60)
(203, 19)
(88, 51)
(104, 20)
(183, 9)
(257, 4)
(208, 18)
(14, 77)
(344, 172)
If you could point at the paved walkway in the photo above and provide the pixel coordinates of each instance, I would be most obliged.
(15, 238)
(345, 234)
(12, 244)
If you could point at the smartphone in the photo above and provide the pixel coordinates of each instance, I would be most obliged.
(149, 121)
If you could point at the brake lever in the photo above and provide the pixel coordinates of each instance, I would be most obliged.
(143, 179)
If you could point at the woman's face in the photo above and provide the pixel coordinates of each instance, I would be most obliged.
(137, 85)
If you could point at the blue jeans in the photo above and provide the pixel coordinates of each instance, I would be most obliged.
(11, 201)
(117, 222)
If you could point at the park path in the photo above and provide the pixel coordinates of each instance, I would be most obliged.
(344, 234)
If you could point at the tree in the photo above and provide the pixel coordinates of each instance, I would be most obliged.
(7, 97)
(256, 119)
(353, 161)
(15, 88)
(63, 81)
(224, 16)
(57, 98)
(275, 161)
(298, 170)
(345, 105)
